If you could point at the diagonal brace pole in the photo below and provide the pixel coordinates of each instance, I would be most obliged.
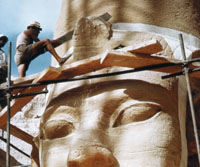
(186, 71)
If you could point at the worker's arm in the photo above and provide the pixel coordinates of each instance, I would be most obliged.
(34, 36)
(36, 39)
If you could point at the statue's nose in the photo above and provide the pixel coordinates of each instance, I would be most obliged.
(91, 156)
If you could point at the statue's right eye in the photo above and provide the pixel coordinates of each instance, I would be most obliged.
(57, 129)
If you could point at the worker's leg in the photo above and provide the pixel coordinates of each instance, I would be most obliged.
(21, 70)
(50, 47)
(38, 46)
(55, 43)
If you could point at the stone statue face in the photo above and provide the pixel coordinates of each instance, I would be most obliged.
(120, 121)
(131, 120)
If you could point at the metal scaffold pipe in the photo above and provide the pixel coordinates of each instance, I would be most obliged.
(8, 106)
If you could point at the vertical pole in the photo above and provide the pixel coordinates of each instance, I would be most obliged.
(8, 106)
(190, 97)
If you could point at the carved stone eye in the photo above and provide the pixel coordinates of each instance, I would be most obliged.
(57, 128)
(137, 112)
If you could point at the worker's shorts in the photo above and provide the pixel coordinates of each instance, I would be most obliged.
(24, 54)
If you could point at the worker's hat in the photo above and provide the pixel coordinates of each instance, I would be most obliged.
(5, 38)
(35, 24)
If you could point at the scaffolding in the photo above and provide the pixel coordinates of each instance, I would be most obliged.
(35, 86)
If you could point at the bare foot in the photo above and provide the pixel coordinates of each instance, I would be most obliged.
(64, 59)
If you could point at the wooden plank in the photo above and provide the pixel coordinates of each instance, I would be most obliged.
(16, 105)
(24, 80)
(114, 58)
(134, 60)
(124, 59)
(27, 79)
(20, 134)
(147, 47)
(21, 81)
(81, 67)
(30, 79)
(120, 59)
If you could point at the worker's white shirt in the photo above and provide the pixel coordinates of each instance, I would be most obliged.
(3, 60)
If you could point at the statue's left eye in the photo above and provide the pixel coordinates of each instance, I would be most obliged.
(136, 112)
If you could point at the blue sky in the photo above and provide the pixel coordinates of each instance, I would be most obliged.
(14, 17)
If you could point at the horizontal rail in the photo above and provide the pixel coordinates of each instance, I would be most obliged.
(150, 67)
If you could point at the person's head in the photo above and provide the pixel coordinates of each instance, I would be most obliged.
(34, 27)
(3, 40)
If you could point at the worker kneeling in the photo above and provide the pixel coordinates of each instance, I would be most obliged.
(28, 47)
